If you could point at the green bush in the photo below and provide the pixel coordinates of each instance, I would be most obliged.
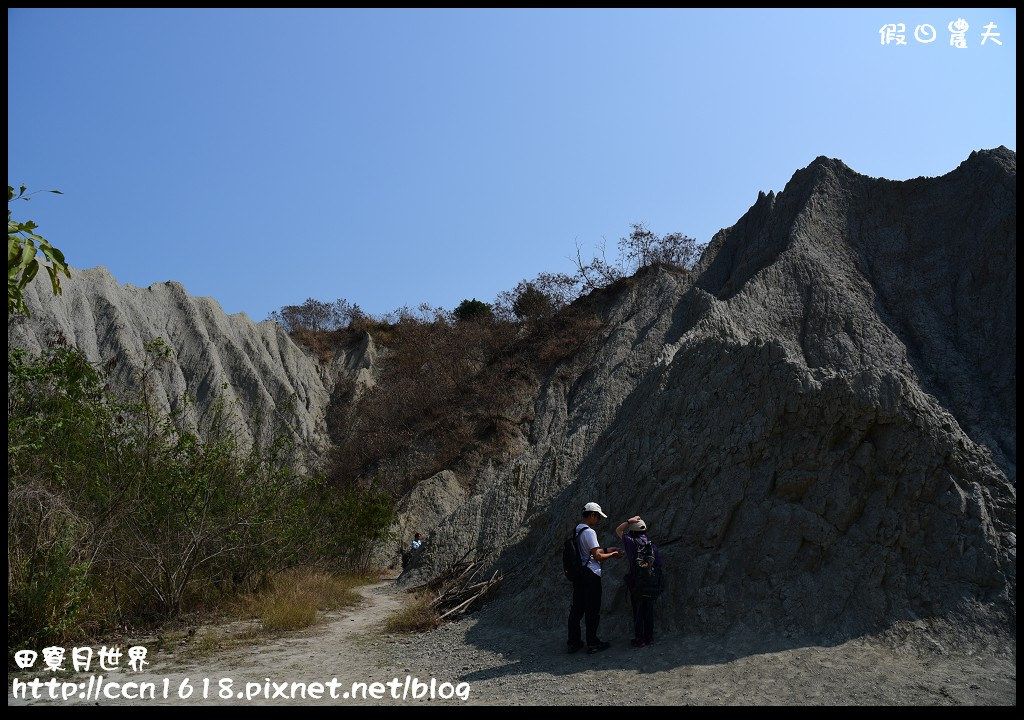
(119, 514)
(532, 303)
(47, 581)
(473, 310)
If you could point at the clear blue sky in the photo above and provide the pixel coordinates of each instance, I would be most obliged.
(394, 157)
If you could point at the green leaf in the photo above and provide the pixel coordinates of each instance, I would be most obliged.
(56, 255)
(28, 253)
(30, 272)
(22, 262)
(54, 280)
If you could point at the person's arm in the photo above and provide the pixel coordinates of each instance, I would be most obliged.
(621, 529)
(596, 553)
(600, 555)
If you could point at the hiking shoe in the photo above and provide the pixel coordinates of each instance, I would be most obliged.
(602, 645)
(637, 643)
(573, 647)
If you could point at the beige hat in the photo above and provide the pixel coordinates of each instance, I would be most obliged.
(594, 507)
(638, 526)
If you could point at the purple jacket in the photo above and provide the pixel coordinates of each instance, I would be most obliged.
(629, 545)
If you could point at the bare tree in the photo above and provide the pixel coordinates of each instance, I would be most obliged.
(316, 315)
(643, 247)
(597, 273)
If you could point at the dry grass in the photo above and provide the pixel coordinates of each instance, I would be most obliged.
(211, 640)
(294, 597)
(417, 616)
(291, 602)
(321, 343)
(288, 609)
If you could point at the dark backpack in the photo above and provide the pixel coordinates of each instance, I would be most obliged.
(646, 576)
(572, 562)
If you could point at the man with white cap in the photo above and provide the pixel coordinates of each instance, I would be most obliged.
(586, 590)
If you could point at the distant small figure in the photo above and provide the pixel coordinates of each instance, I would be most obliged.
(413, 553)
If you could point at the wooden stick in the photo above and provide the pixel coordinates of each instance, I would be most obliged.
(458, 608)
(489, 584)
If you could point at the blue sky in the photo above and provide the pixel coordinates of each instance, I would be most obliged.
(403, 156)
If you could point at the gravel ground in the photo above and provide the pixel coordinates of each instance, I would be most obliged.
(492, 665)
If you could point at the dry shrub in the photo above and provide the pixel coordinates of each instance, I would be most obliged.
(417, 616)
(293, 597)
(567, 335)
(48, 561)
(321, 343)
(289, 608)
(447, 394)
(434, 388)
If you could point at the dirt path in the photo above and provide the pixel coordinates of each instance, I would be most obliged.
(338, 648)
(495, 666)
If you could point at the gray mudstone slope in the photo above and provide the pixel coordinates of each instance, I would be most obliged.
(267, 382)
(817, 423)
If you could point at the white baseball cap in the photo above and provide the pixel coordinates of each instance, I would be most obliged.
(594, 507)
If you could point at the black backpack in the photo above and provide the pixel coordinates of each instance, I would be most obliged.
(646, 577)
(572, 562)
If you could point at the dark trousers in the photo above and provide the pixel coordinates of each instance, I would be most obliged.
(586, 602)
(643, 617)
